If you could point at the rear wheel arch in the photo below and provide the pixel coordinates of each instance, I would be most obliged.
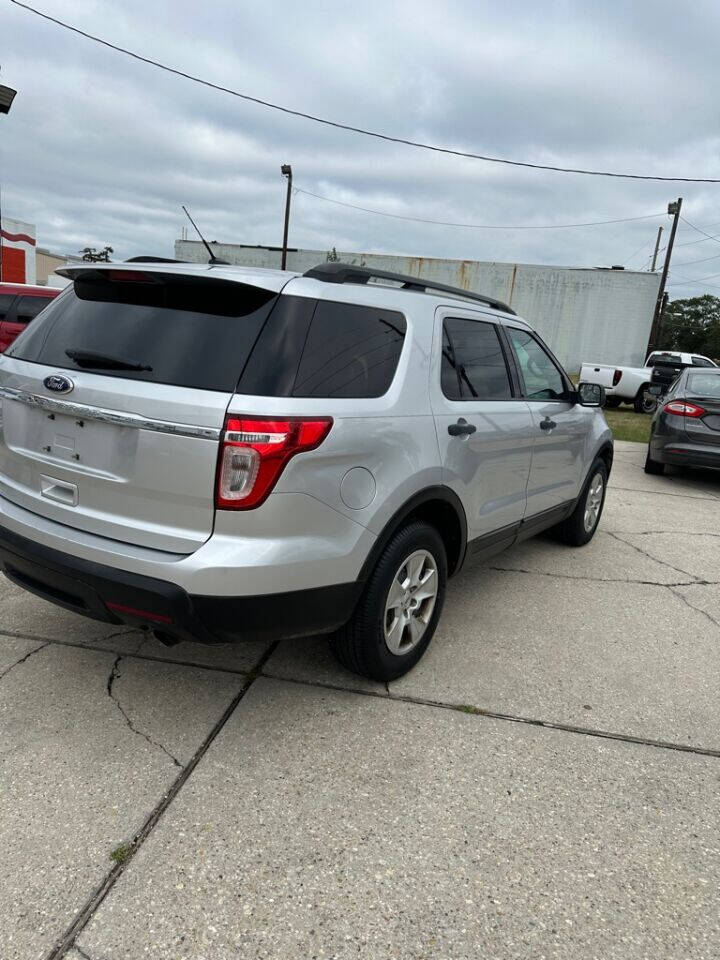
(441, 508)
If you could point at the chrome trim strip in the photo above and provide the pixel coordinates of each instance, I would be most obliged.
(108, 416)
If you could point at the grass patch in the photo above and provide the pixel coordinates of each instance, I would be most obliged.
(628, 425)
(122, 853)
(467, 708)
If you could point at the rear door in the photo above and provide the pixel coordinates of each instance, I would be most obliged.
(114, 399)
(485, 432)
(559, 425)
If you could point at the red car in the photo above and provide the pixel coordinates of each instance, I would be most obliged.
(19, 304)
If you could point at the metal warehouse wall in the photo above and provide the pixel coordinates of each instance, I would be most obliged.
(584, 314)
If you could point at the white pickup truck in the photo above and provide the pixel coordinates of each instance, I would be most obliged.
(630, 384)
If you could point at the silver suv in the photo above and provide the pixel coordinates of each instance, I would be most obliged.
(218, 453)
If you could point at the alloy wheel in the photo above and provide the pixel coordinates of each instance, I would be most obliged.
(410, 602)
(593, 502)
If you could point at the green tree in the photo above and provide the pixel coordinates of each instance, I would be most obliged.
(692, 326)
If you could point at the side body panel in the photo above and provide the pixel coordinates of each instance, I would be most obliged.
(489, 468)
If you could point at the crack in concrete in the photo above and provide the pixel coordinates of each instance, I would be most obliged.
(649, 556)
(692, 606)
(114, 674)
(83, 916)
(27, 656)
(79, 949)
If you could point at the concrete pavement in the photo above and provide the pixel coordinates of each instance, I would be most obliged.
(544, 783)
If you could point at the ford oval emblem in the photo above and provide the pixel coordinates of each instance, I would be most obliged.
(58, 384)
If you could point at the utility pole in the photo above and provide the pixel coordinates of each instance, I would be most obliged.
(286, 171)
(655, 252)
(7, 95)
(674, 209)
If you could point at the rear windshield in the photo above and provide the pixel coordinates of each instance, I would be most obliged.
(188, 331)
(704, 385)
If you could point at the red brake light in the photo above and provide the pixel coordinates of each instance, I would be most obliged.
(130, 276)
(682, 408)
(616, 377)
(253, 454)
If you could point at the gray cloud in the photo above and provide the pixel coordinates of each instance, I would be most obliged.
(101, 149)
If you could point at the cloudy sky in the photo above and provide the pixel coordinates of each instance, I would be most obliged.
(101, 149)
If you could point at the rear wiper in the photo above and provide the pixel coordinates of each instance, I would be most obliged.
(101, 361)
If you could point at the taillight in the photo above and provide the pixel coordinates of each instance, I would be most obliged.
(681, 408)
(616, 377)
(253, 454)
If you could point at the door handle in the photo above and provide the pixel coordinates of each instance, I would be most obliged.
(547, 424)
(462, 428)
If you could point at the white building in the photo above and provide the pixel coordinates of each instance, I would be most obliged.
(585, 314)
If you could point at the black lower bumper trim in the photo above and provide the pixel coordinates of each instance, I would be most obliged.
(86, 588)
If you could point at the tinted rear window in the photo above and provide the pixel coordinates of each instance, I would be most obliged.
(192, 332)
(320, 348)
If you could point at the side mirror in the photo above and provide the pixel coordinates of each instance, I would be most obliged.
(590, 395)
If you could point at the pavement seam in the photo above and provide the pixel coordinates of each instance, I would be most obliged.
(665, 493)
(508, 717)
(75, 644)
(23, 659)
(114, 675)
(570, 576)
(85, 914)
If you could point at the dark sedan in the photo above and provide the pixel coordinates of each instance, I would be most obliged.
(686, 427)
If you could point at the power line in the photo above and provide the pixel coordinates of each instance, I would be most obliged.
(709, 237)
(641, 247)
(346, 126)
(686, 263)
(686, 280)
(474, 226)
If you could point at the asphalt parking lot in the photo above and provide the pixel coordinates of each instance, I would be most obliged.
(545, 784)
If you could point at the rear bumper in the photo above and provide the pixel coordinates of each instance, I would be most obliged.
(684, 453)
(119, 597)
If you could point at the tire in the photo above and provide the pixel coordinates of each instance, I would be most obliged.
(362, 645)
(575, 531)
(612, 403)
(644, 402)
(653, 466)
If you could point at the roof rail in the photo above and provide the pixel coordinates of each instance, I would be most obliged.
(334, 272)
(152, 260)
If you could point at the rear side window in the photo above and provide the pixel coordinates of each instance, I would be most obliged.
(6, 300)
(473, 364)
(187, 331)
(319, 348)
(29, 307)
(702, 362)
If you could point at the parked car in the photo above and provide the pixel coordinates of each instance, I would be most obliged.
(220, 453)
(631, 384)
(19, 304)
(686, 428)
